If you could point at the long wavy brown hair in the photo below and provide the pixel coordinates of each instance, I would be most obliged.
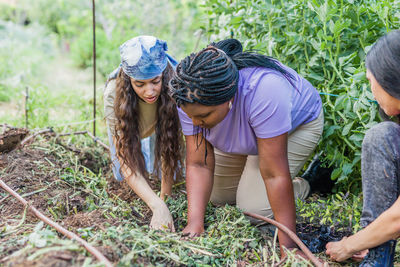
(169, 138)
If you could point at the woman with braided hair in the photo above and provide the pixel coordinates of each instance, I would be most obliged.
(250, 125)
(138, 110)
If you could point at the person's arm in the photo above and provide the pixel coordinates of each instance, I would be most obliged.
(274, 168)
(386, 227)
(161, 218)
(166, 183)
(199, 182)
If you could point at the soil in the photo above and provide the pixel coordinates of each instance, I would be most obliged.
(315, 237)
(34, 174)
(11, 138)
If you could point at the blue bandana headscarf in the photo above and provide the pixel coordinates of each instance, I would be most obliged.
(144, 57)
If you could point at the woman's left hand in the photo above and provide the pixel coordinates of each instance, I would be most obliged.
(338, 250)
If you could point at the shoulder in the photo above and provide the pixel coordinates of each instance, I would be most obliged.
(109, 90)
(259, 84)
(266, 77)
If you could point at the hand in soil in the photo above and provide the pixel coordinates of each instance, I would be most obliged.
(193, 230)
(162, 219)
(359, 256)
(338, 250)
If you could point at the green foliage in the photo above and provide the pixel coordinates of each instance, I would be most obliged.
(341, 211)
(22, 51)
(39, 38)
(116, 22)
(326, 42)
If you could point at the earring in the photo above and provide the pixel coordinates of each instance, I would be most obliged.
(230, 105)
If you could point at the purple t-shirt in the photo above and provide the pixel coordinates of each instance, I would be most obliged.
(265, 105)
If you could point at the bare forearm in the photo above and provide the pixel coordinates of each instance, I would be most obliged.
(140, 186)
(280, 196)
(385, 227)
(199, 183)
(166, 183)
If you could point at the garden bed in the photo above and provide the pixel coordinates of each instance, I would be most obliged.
(70, 181)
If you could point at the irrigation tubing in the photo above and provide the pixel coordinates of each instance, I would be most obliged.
(58, 227)
(293, 236)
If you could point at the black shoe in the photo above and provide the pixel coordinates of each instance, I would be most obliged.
(319, 177)
(380, 256)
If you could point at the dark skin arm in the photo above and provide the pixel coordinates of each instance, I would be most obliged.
(274, 168)
(199, 182)
(166, 183)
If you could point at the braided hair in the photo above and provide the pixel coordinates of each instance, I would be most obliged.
(210, 77)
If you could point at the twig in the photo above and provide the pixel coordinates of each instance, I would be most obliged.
(74, 133)
(77, 151)
(292, 235)
(37, 191)
(97, 140)
(178, 184)
(50, 130)
(281, 262)
(4, 198)
(5, 125)
(58, 227)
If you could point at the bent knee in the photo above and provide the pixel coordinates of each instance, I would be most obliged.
(381, 133)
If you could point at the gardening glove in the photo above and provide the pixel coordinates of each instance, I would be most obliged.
(162, 219)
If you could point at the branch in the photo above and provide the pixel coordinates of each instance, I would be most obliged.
(292, 235)
(58, 227)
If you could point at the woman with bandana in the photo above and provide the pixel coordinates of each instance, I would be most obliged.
(380, 164)
(143, 123)
(250, 124)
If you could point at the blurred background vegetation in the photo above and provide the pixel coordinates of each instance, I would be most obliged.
(46, 49)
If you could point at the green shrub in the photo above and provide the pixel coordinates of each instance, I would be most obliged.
(116, 22)
(22, 51)
(326, 42)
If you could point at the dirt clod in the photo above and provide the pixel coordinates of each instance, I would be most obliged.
(11, 138)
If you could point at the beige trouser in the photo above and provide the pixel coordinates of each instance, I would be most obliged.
(237, 178)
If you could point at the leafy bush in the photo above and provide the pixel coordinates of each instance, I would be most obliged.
(116, 22)
(326, 42)
(341, 211)
(22, 51)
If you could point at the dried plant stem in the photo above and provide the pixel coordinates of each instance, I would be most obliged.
(35, 134)
(95, 139)
(292, 235)
(58, 227)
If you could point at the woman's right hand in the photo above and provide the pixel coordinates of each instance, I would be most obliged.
(162, 219)
(338, 251)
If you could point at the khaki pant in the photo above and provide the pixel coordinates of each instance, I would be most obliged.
(237, 178)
